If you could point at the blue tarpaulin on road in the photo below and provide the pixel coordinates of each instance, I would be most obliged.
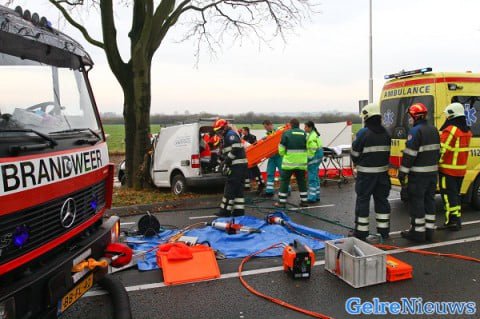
(242, 244)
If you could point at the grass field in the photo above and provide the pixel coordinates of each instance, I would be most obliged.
(116, 135)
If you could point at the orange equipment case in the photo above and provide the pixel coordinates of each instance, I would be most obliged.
(398, 270)
(202, 266)
(265, 148)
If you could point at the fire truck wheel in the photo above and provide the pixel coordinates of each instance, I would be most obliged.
(179, 184)
(476, 194)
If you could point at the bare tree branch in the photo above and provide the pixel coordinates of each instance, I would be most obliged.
(110, 40)
(74, 23)
(239, 18)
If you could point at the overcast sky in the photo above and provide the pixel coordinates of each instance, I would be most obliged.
(323, 67)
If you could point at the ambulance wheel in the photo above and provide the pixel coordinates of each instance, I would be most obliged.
(179, 184)
(476, 194)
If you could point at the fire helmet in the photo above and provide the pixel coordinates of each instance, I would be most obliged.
(454, 110)
(370, 110)
(417, 110)
(219, 124)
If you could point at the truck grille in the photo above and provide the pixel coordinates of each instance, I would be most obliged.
(43, 222)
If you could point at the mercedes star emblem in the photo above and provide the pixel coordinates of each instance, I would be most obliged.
(68, 213)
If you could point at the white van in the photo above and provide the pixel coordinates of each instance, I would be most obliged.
(175, 161)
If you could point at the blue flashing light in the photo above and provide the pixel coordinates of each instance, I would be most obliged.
(20, 236)
(94, 203)
(404, 73)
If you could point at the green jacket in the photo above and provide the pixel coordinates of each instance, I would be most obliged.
(314, 143)
(293, 149)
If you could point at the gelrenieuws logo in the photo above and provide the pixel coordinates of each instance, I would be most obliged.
(409, 306)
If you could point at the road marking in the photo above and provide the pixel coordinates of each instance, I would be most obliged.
(127, 223)
(93, 293)
(472, 222)
(310, 207)
(202, 217)
(392, 199)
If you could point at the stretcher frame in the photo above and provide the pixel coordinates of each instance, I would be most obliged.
(333, 161)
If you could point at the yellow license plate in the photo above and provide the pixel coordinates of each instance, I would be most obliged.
(393, 172)
(75, 294)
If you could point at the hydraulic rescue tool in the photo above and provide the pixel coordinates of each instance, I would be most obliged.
(232, 228)
(298, 259)
(275, 220)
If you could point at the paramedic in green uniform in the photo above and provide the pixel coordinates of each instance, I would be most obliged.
(293, 150)
(315, 154)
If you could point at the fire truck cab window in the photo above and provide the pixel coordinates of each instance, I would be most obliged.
(43, 98)
(472, 111)
(395, 117)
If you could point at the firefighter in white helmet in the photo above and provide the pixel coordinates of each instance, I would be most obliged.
(455, 139)
(370, 153)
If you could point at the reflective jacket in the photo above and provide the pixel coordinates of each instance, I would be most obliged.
(371, 151)
(233, 150)
(422, 150)
(267, 133)
(314, 148)
(293, 149)
(454, 150)
(205, 152)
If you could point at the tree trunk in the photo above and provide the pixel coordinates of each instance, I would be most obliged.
(137, 123)
(129, 116)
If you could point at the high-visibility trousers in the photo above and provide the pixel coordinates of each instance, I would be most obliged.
(452, 200)
(313, 181)
(421, 200)
(376, 185)
(274, 163)
(285, 177)
(233, 201)
(253, 174)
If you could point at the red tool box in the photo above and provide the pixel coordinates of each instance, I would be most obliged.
(398, 270)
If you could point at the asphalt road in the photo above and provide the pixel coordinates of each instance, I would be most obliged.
(435, 278)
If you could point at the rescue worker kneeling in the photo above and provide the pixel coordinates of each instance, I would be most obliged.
(420, 163)
(293, 150)
(454, 147)
(370, 153)
(234, 168)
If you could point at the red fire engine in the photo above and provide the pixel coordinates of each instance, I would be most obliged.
(55, 177)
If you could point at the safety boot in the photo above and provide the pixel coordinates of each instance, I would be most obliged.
(429, 234)
(415, 236)
(267, 195)
(260, 188)
(222, 213)
(385, 234)
(279, 205)
(303, 204)
(455, 224)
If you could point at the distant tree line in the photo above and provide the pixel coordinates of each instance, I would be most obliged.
(244, 118)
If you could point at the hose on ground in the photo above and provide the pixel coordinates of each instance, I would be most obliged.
(119, 296)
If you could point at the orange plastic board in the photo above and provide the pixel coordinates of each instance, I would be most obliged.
(264, 148)
(398, 270)
(202, 266)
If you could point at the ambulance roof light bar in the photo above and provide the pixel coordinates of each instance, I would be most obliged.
(404, 73)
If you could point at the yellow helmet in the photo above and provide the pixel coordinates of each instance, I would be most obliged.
(454, 110)
(370, 110)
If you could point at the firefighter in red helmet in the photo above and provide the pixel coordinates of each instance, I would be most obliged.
(420, 166)
(234, 168)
